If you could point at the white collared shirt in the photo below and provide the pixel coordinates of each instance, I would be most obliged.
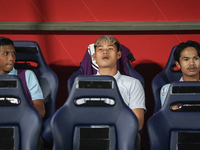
(131, 91)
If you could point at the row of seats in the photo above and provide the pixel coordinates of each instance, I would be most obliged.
(73, 126)
(29, 56)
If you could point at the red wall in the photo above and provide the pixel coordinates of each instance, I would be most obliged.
(63, 51)
(103, 10)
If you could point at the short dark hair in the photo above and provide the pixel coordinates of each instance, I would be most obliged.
(5, 41)
(182, 46)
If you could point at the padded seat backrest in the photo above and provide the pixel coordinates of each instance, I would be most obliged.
(29, 56)
(168, 75)
(179, 127)
(20, 123)
(94, 103)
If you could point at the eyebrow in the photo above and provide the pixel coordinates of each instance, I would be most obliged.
(192, 57)
(100, 46)
(111, 45)
(3, 51)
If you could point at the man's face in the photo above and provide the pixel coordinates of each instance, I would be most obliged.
(106, 55)
(189, 64)
(7, 58)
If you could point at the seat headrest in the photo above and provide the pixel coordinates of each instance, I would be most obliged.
(171, 73)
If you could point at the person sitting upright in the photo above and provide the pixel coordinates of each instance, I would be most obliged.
(7, 60)
(187, 58)
(107, 52)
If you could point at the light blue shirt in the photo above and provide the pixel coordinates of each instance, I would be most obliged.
(32, 84)
(131, 91)
(164, 91)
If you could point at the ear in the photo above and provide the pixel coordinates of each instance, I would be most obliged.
(94, 56)
(177, 64)
(119, 54)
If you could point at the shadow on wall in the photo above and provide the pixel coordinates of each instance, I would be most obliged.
(148, 71)
(63, 73)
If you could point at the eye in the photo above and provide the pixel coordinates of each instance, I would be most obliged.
(5, 53)
(100, 49)
(185, 58)
(110, 48)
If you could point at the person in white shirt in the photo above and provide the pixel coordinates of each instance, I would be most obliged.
(107, 52)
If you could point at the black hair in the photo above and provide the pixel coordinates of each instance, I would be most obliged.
(182, 46)
(5, 41)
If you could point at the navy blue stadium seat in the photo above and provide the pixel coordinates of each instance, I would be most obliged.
(94, 117)
(177, 124)
(87, 67)
(29, 56)
(20, 123)
(168, 75)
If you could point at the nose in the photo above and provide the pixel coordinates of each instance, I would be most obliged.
(11, 57)
(105, 51)
(192, 62)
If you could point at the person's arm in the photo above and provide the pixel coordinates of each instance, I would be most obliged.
(139, 112)
(35, 91)
(137, 102)
(39, 105)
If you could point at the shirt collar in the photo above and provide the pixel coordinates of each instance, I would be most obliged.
(181, 79)
(117, 76)
(13, 72)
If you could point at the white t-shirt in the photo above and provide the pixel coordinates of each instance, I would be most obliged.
(131, 91)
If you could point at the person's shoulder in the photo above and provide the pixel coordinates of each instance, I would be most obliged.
(29, 73)
(129, 79)
(24, 70)
(166, 85)
(164, 89)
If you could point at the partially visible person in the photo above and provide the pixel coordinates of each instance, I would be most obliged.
(107, 52)
(7, 60)
(187, 58)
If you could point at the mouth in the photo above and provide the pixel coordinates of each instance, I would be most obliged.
(192, 69)
(105, 58)
(10, 64)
